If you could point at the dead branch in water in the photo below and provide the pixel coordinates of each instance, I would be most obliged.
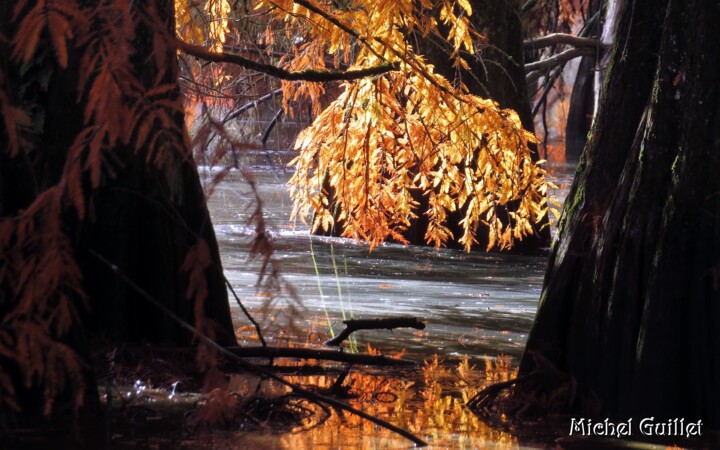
(296, 389)
(312, 353)
(374, 324)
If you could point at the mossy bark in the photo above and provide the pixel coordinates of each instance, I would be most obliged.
(631, 296)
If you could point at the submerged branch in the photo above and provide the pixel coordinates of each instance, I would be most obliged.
(374, 324)
(252, 367)
(313, 353)
(246, 312)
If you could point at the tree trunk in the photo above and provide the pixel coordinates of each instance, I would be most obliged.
(582, 100)
(581, 109)
(631, 300)
(144, 216)
(145, 222)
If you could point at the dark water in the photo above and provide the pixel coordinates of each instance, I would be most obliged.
(474, 304)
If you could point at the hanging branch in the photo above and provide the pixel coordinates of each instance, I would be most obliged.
(246, 312)
(546, 89)
(270, 126)
(312, 75)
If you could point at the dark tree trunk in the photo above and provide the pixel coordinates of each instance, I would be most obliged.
(145, 221)
(580, 111)
(144, 217)
(631, 301)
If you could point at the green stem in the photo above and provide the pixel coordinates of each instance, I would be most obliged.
(320, 290)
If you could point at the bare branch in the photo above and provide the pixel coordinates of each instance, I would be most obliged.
(319, 354)
(562, 38)
(558, 59)
(201, 52)
(252, 104)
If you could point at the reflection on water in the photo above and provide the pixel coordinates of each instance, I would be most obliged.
(428, 403)
(431, 408)
(474, 304)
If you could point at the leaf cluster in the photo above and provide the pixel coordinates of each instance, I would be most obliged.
(391, 143)
(408, 143)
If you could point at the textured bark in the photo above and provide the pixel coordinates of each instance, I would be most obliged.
(631, 297)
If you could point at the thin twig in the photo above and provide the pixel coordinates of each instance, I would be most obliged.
(246, 312)
(270, 127)
(251, 104)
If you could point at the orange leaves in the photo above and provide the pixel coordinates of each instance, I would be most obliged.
(196, 261)
(58, 17)
(89, 50)
(15, 120)
(27, 37)
(42, 280)
(460, 33)
(203, 22)
(387, 142)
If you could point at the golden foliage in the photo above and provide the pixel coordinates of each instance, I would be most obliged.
(389, 144)
(430, 404)
(385, 143)
(203, 22)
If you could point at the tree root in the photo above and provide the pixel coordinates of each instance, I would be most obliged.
(546, 396)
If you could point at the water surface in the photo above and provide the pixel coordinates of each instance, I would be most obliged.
(475, 304)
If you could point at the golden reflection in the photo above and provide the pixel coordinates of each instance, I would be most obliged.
(429, 402)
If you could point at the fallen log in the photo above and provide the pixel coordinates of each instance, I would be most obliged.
(374, 324)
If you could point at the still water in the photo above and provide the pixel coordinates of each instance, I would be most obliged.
(478, 309)
(475, 304)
